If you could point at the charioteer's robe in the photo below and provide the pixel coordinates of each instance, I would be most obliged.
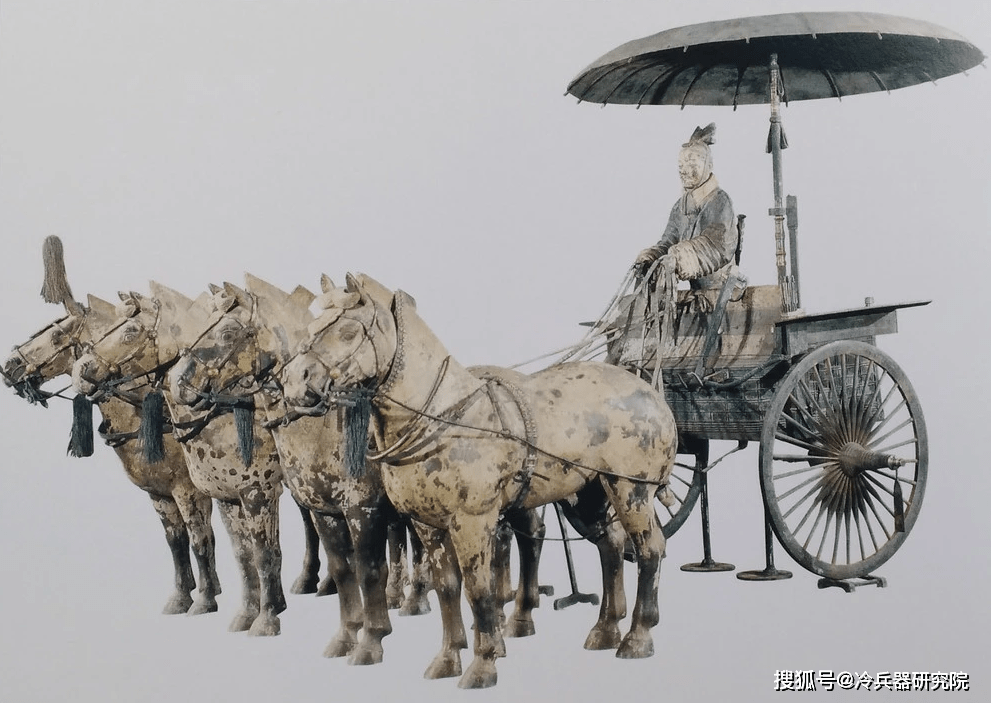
(701, 234)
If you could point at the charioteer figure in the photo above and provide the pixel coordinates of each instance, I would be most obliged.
(701, 239)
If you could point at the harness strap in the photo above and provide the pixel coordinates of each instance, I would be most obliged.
(525, 473)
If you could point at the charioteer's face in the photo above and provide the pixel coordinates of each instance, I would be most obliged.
(694, 167)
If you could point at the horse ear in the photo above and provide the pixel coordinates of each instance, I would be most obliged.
(326, 285)
(355, 285)
(213, 288)
(238, 294)
(98, 306)
(302, 296)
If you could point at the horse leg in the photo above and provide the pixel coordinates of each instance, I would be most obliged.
(634, 504)
(530, 530)
(231, 516)
(398, 570)
(262, 521)
(309, 577)
(605, 633)
(446, 576)
(416, 602)
(178, 540)
(369, 527)
(473, 537)
(505, 593)
(196, 509)
(337, 539)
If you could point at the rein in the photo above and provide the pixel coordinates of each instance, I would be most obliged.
(410, 433)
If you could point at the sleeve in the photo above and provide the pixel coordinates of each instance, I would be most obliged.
(715, 244)
(676, 224)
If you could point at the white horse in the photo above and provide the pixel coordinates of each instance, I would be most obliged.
(244, 477)
(458, 451)
(183, 510)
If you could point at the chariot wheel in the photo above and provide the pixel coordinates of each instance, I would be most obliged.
(843, 459)
(685, 486)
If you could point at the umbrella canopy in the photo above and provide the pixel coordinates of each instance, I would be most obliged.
(820, 55)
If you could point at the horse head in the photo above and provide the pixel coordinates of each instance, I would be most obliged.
(249, 332)
(52, 351)
(136, 343)
(350, 345)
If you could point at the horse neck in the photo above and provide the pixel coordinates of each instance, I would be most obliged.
(424, 377)
(123, 416)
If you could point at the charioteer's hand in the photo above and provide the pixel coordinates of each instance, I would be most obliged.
(647, 257)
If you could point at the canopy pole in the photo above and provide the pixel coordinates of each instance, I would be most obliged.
(778, 211)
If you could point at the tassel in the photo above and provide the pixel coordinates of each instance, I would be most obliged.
(356, 420)
(899, 506)
(152, 427)
(55, 289)
(244, 423)
(81, 437)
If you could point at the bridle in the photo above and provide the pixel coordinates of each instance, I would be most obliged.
(260, 372)
(111, 385)
(329, 395)
(28, 385)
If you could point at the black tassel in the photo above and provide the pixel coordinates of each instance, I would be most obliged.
(244, 423)
(152, 427)
(899, 506)
(81, 437)
(356, 420)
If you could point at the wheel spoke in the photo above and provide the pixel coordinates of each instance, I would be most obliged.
(862, 501)
(873, 385)
(887, 450)
(893, 477)
(873, 506)
(877, 440)
(798, 458)
(676, 477)
(825, 533)
(879, 408)
(887, 418)
(827, 424)
(804, 470)
(873, 479)
(797, 442)
(822, 509)
(799, 487)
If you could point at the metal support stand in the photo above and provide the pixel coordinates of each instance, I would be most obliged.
(575, 596)
(707, 564)
(850, 585)
(768, 573)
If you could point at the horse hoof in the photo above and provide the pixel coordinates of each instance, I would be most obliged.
(201, 607)
(304, 584)
(444, 666)
(178, 604)
(339, 647)
(636, 648)
(363, 655)
(518, 627)
(265, 626)
(481, 674)
(242, 622)
(415, 606)
(328, 587)
(604, 638)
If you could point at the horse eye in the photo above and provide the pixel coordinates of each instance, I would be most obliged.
(57, 337)
(348, 335)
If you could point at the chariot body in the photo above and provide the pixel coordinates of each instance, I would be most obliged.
(843, 447)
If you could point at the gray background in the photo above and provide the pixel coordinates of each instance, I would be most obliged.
(429, 144)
